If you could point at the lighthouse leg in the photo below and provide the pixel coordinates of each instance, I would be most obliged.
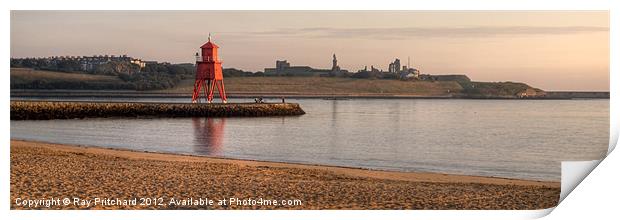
(206, 85)
(220, 88)
(211, 89)
(196, 93)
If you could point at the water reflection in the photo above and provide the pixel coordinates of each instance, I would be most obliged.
(208, 135)
(506, 138)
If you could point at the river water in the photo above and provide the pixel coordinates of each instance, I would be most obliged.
(524, 139)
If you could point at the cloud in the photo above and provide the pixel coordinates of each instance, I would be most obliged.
(426, 32)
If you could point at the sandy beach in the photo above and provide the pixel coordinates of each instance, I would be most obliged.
(52, 171)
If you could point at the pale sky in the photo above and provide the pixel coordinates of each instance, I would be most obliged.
(551, 50)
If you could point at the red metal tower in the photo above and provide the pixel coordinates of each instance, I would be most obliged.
(209, 73)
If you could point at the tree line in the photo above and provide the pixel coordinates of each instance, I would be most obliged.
(154, 76)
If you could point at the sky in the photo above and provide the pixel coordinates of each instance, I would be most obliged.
(551, 50)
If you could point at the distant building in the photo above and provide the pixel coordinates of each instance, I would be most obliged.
(394, 67)
(395, 71)
(284, 68)
(530, 93)
(409, 73)
(336, 71)
(138, 62)
(88, 63)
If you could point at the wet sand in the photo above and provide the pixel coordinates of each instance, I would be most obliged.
(43, 171)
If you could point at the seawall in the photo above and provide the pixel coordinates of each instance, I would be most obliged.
(576, 95)
(34, 110)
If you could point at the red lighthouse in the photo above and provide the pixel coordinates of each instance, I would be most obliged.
(208, 73)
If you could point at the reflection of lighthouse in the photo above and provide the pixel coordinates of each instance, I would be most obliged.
(208, 135)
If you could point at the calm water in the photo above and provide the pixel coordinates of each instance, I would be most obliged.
(524, 139)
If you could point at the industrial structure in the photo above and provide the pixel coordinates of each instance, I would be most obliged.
(208, 73)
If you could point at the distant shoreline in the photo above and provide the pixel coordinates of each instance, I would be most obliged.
(36, 83)
(551, 95)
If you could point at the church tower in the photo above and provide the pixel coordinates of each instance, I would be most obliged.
(335, 68)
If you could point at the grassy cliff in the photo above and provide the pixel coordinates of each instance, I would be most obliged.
(328, 85)
(25, 78)
(334, 86)
(494, 89)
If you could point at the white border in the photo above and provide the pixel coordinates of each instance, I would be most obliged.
(310, 5)
(597, 184)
